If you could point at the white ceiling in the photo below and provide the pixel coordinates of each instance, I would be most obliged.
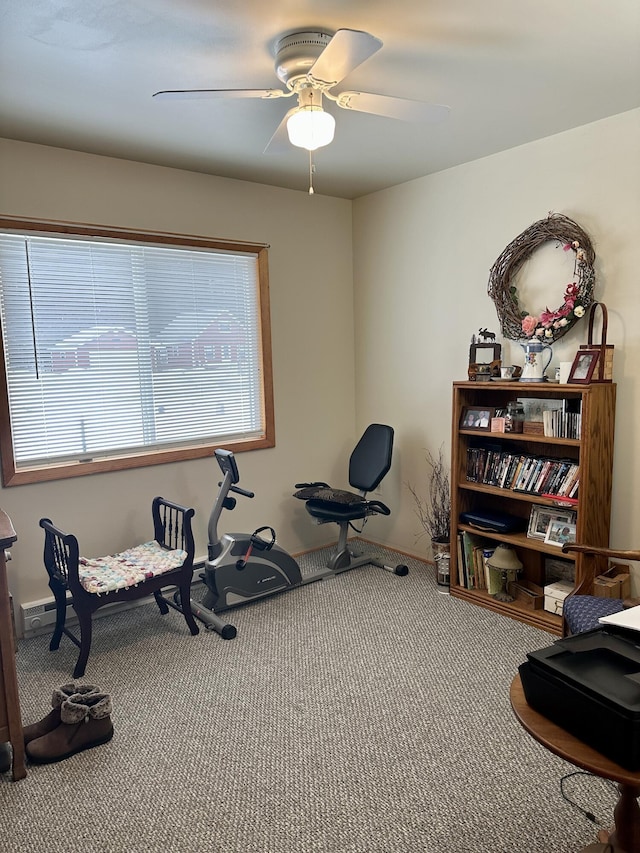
(80, 74)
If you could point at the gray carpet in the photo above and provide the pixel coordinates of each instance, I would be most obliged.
(362, 714)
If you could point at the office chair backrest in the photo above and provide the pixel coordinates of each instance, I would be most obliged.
(371, 457)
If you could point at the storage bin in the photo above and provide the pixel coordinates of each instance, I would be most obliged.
(554, 596)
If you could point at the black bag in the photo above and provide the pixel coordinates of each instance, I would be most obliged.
(494, 522)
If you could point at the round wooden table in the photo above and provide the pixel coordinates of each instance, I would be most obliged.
(625, 837)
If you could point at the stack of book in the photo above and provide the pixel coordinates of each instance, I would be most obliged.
(561, 424)
(523, 472)
(474, 552)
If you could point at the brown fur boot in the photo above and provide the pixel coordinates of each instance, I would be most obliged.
(85, 722)
(6, 757)
(52, 720)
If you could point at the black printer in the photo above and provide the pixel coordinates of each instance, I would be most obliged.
(589, 684)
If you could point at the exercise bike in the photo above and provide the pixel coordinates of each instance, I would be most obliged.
(242, 567)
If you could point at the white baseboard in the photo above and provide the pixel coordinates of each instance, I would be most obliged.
(39, 617)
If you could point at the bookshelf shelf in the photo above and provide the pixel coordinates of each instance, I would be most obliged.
(515, 610)
(515, 496)
(593, 453)
(520, 540)
(530, 438)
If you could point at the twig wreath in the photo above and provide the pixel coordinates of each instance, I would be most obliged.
(518, 323)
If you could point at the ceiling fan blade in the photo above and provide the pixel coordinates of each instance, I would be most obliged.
(346, 50)
(279, 142)
(170, 94)
(400, 108)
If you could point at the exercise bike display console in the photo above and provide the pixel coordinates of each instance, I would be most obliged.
(245, 567)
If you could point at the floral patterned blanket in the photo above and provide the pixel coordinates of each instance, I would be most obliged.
(128, 568)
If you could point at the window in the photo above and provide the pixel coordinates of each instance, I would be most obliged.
(123, 350)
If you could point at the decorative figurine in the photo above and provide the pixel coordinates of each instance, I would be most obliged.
(487, 336)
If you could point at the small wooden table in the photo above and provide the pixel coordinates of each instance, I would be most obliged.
(625, 838)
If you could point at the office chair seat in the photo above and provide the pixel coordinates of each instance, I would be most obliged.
(583, 612)
(368, 464)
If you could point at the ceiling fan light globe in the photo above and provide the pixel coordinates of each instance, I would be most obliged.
(311, 128)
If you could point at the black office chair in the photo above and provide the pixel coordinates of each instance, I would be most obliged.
(368, 464)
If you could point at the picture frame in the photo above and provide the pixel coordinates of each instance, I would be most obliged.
(583, 367)
(484, 361)
(498, 424)
(557, 569)
(541, 517)
(476, 349)
(477, 418)
(560, 532)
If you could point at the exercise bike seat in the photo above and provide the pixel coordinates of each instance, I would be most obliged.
(368, 464)
(327, 510)
(322, 493)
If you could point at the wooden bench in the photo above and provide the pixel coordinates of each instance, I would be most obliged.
(146, 569)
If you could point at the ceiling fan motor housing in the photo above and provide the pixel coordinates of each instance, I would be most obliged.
(296, 54)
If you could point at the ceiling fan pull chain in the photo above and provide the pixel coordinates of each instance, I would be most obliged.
(312, 169)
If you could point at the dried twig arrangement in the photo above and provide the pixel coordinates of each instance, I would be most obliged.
(434, 512)
(578, 296)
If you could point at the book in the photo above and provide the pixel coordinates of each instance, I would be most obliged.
(525, 472)
(542, 475)
(471, 542)
(487, 553)
(462, 575)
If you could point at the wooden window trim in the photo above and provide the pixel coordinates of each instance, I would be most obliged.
(59, 471)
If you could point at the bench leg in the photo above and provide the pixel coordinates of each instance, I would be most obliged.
(84, 619)
(60, 595)
(162, 604)
(185, 606)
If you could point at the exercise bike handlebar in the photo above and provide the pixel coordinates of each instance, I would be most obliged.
(221, 502)
(240, 491)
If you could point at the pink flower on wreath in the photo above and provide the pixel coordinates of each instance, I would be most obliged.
(572, 290)
(529, 324)
(547, 317)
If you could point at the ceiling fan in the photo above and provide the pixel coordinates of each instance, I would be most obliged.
(311, 64)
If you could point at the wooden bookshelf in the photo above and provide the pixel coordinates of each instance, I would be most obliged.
(593, 451)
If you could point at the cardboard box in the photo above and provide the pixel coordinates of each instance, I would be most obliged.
(530, 595)
(619, 575)
(604, 587)
(554, 596)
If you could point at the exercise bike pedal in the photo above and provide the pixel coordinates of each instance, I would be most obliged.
(258, 543)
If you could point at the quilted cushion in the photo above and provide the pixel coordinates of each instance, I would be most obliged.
(128, 568)
(582, 612)
(325, 493)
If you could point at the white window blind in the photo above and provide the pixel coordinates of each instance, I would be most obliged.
(116, 347)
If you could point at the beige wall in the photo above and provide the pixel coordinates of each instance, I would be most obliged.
(422, 253)
(412, 287)
(310, 265)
